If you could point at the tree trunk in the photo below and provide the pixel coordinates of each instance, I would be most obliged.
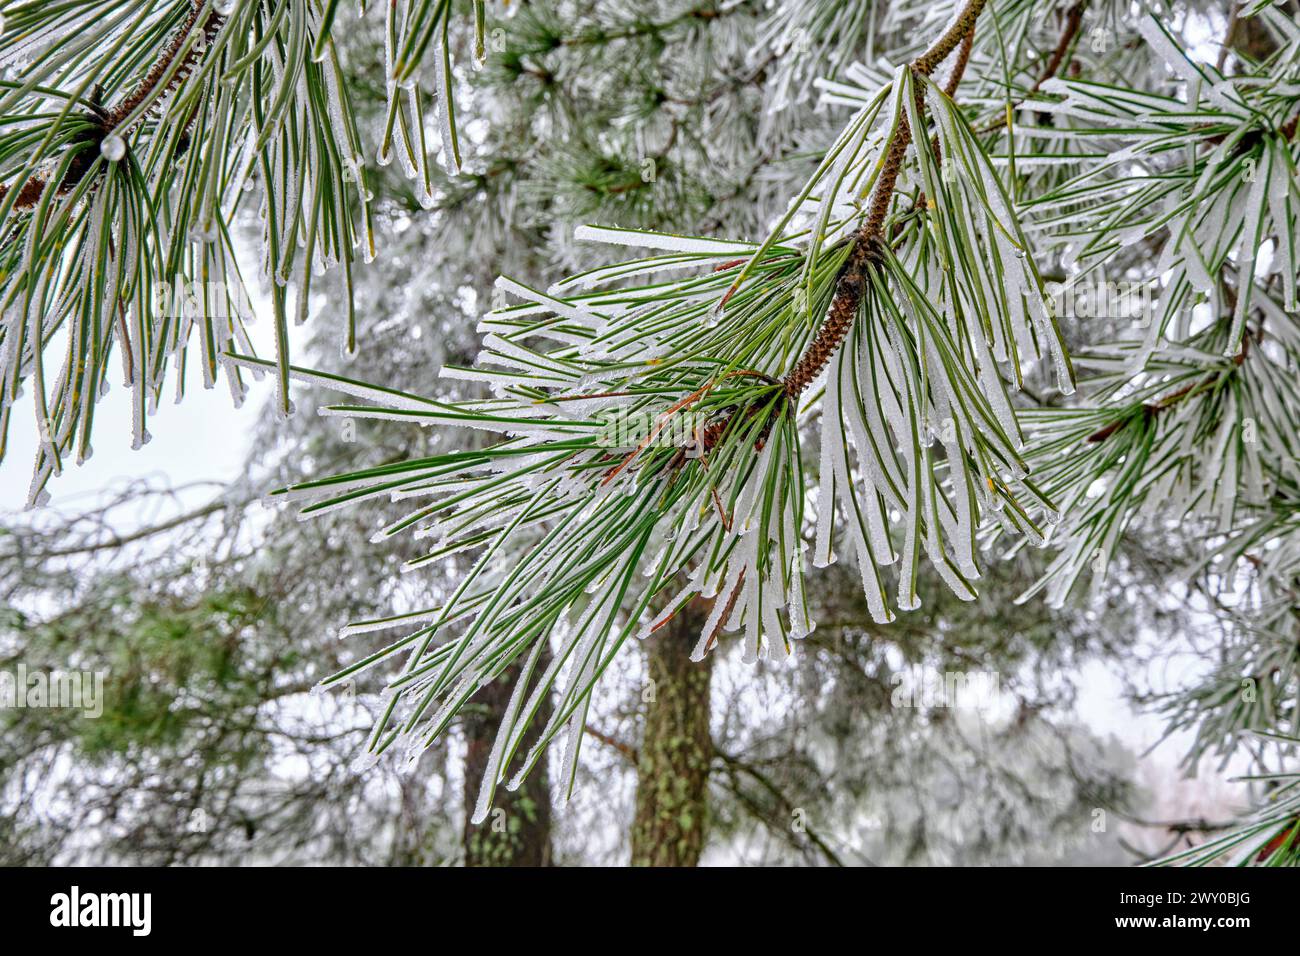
(517, 831)
(671, 819)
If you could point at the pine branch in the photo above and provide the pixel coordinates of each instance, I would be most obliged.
(1073, 22)
(1152, 409)
(114, 121)
(149, 85)
(950, 90)
(853, 279)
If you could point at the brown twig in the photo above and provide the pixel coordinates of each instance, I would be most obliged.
(627, 750)
(866, 241)
(146, 87)
(1151, 409)
(112, 121)
(959, 65)
(1073, 22)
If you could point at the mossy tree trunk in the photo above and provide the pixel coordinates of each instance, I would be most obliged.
(517, 831)
(671, 819)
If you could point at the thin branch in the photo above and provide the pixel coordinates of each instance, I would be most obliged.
(736, 765)
(852, 279)
(627, 750)
(950, 90)
(959, 66)
(1073, 20)
(107, 123)
(1058, 59)
(146, 87)
(1173, 398)
(118, 541)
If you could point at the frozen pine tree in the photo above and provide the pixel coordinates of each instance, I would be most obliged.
(908, 288)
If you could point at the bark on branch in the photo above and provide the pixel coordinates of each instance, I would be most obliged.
(865, 242)
(114, 120)
(1152, 409)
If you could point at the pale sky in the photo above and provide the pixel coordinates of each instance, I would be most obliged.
(205, 438)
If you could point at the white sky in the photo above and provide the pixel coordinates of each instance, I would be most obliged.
(205, 438)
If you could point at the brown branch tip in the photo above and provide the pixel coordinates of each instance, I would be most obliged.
(867, 242)
(111, 121)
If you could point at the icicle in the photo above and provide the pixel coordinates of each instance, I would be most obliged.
(832, 450)
(493, 771)
(446, 92)
(713, 622)
(662, 240)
